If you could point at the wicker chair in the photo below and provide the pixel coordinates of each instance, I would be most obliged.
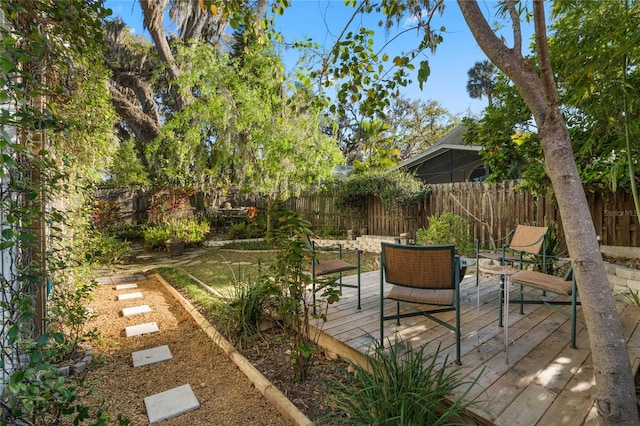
(523, 246)
(424, 278)
(566, 287)
(327, 267)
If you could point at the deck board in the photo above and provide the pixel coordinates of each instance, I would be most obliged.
(546, 382)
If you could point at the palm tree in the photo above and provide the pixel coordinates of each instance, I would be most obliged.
(481, 80)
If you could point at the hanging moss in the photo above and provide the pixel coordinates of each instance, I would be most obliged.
(395, 189)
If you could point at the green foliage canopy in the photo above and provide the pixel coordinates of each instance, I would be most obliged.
(396, 189)
(245, 126)
(587, 53)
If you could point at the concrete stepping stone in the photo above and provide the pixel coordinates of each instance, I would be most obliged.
(140, 329)
(172, 403)
(126, 286)
(129, 296)
(104, 280)
(128, 312)
(151, 356)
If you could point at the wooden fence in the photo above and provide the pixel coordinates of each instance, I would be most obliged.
(492, 211)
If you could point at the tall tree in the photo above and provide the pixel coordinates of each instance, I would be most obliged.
(592, 94)
(145, 85)
(245, 124)
(615, 390)
(415, 125)
(596, 61)
(481, 80)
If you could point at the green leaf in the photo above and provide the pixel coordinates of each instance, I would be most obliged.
(6, 244)
(43, 339)
(423, 73)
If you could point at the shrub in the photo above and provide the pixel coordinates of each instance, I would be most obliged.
(401, 386)
(101, 248)
(36, 393)
(105, 214)
(254, 227)
(248, 245)
(155, 237)
(395, 189)
(239, 231)
(248, 305)
(448, 228)
(128, 232)
(68, 312)
(192, 231)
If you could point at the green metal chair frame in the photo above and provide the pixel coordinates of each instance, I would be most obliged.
(524, 243)
(421, 275)
(565, 286)
(321, 268)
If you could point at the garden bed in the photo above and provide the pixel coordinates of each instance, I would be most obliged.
(225, 394)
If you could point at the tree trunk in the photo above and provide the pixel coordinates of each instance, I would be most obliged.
(615, 390)
(153, 12)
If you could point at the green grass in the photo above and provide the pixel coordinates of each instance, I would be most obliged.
(179, 279)
(222, 268)
(248, 245)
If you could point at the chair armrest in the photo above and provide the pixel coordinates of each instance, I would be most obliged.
(337, 247)
(495, 242)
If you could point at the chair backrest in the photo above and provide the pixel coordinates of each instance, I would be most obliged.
(426, 267)
(528, 239)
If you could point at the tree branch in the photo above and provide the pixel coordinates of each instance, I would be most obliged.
(142, 126)
(153, 12)
(544, 57)
(142, 91)
(511, 62)
(515, 25)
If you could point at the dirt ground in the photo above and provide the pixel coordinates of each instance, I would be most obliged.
(225, 394)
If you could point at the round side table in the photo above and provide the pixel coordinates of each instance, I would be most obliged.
(505, 271)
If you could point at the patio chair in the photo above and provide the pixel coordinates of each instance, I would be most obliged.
(326, 267)
(559, 286)
(424, 278)
(523, 246)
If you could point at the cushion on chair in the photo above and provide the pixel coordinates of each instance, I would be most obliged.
(333, 266)
(417, 295)
(543, 281)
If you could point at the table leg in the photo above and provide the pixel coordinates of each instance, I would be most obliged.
(478, 314)
(507, 285)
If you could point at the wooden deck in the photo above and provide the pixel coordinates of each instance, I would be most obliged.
(545, 382)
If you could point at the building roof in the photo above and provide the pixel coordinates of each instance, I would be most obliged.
(452, 141)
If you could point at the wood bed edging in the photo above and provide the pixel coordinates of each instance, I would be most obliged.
(279, 401)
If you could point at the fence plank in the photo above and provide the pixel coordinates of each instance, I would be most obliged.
(492, 211)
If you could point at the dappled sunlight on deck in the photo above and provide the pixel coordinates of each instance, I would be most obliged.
(545, 382)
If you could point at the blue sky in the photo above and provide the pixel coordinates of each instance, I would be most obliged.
(323, 20)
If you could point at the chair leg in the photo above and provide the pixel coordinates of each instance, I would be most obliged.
(313, 295)
(397, 313)
(500, 307)
(381, 307)
(381, 320)
(359, 307)
(457, 332)
(573, 319)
